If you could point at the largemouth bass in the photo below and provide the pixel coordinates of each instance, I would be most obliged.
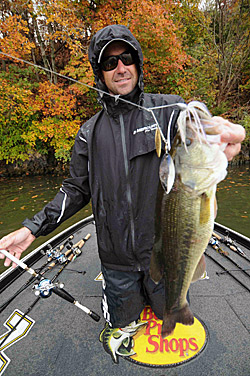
(185, 211)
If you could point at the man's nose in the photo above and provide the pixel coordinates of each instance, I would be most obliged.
(120, 67)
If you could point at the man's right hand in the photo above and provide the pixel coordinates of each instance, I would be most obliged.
(16, 242)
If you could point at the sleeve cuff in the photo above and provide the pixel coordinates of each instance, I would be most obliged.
(31, 226)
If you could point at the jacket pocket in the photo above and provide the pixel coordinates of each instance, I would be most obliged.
(143, 141)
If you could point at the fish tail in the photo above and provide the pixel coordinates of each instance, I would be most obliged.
(183, 316)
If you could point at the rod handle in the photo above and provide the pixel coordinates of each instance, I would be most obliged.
(82, 241)
(70, 258)
(94, 316)
(87, 237)
(233, 248)
(52, 265)
(63, 294)
(217, 236)
(68, 252)
(19, 262)
(79, 244)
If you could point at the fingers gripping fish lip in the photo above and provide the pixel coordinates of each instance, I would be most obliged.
(199, 161)
(195, 136)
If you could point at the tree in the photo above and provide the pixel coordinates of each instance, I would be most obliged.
(228, 43)
(197, 52)
(52, 34)
(16, 116)
(152, 23)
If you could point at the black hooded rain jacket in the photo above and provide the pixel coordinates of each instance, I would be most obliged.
(114, 163)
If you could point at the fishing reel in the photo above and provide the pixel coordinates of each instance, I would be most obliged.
(77, 251)
(61, 259)
(45, 288)
(213, 241)
(48, 251)
(228, 240)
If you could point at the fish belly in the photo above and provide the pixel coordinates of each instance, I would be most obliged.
(183, 227)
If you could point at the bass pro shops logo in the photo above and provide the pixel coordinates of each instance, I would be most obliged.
(183, 345)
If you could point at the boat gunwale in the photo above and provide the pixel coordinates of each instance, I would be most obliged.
(10, 275)
(238, 237)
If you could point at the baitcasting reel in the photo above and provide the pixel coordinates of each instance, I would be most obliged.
(45, 288)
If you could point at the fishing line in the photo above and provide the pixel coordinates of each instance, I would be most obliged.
(226, 270)
(70, 270)
(181, 106)
(232, 270)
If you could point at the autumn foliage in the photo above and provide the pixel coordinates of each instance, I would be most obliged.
(186, 51)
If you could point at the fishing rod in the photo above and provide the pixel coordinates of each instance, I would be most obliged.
(76, 249)
(46, 287)
(226, 270)
(230, 243)
(56, 253)
(215, 245)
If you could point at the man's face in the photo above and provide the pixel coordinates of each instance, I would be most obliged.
(122, 79)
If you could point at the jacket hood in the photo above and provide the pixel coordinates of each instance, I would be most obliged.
(102, 39)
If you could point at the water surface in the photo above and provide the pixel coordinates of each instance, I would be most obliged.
(233, 195)
(23, 197)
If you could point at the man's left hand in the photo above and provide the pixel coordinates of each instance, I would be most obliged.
(232, 134)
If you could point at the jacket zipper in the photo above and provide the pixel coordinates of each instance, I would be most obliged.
(128, 191)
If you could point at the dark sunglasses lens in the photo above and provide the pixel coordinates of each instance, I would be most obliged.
(127, 58)
(112, 61)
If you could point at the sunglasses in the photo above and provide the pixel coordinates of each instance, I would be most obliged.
(110, 62)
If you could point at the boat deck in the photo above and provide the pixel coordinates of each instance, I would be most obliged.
(64, 341)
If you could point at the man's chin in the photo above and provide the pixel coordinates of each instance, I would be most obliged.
(123, 91)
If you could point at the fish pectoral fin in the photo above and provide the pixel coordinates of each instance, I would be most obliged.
(200, 269)
(155, 269)
(170, 319)
(204, 208)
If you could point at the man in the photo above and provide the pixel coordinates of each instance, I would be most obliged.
(114, 163)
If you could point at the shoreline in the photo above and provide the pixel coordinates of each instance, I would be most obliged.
(47, 165)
